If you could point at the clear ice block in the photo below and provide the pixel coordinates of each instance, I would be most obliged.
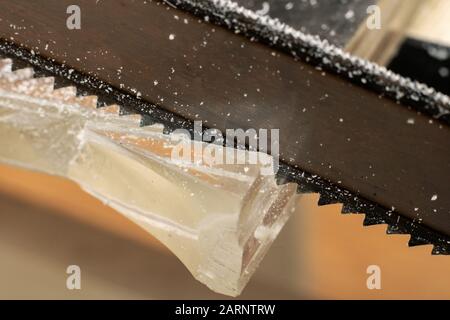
(218, 219)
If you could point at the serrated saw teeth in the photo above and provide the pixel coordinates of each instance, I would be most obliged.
(373, 220)
(134, 118)
(394, 229)
(36, 87)
(349, 208)
(21, 81)
(325, 199)
(17, 75)
(441, 250)
(5, 65)
(87, 101)
(112, 109)
(115, 110)
(66, 94)
(416, 240)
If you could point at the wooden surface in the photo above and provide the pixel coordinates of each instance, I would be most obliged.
(37, 245)
(379, 45)
(48, 223)
(432, 22)
(427, 21)
(67, 198)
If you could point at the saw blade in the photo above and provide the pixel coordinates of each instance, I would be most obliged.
(330, 193)
(359, 134)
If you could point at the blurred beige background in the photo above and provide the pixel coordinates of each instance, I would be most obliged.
(48, 223)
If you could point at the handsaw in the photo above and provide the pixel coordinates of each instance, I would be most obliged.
(352, 131)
